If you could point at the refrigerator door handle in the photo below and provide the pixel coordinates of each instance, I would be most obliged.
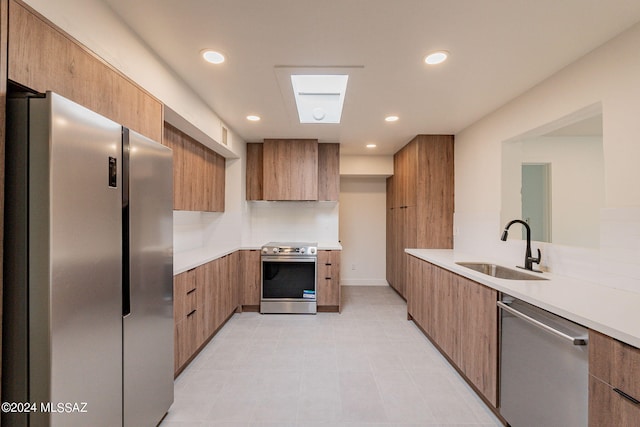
(126, 253)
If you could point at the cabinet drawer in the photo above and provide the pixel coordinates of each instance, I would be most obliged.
(615, 363)
(609, 408)
(185, 294)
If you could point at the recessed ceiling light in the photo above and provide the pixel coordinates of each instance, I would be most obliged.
(253, 118)
(371, 145)
(436, 57)
(391, 119)
(212, 56)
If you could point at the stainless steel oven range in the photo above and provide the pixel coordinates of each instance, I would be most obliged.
(289, 273)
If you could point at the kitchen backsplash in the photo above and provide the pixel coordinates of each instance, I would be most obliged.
(292, 221)
(616, 264)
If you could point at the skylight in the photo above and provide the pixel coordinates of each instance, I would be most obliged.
(319, 98)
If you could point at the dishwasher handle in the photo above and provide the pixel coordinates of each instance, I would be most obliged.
(579, 340)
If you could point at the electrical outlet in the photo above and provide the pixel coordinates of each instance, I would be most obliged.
(353, 266)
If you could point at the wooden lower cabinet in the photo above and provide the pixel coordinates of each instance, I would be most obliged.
(478, 357)
(187, 309)
(614, 382)
(204, 298)
(328, 281)
(460, 316)
(249, 265)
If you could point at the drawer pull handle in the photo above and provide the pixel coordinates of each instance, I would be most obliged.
(328, 263)
(192, 311)
(626, 396)
(191, 291)
(327, 278)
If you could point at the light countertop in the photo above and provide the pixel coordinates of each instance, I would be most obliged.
(607, 310)
(186, 260)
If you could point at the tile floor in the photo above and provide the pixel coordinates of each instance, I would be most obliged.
(367, 366)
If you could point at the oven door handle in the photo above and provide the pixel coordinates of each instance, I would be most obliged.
(288, 259)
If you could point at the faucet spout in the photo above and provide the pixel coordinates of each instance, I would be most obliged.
(528, 259)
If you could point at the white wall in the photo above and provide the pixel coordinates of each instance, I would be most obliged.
(366, 166)
(363, 230)
(292, 222)
(609, 75)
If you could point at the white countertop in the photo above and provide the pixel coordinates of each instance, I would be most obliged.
(186, 260)
(611, 311)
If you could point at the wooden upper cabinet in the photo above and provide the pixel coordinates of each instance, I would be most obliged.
(290, 169)
(328, 172)
(293, 169)
(214, 181)
(41, 57)
(198, 173)
(254, 171)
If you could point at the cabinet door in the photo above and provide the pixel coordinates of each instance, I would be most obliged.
(210, 284)
(186, 333)
(434, 190)
(290, 169)
(232, 284)
(249, 278)
(194, 174)
(173, 140)
(415, 290)
(328, 172)
(254, 171)
(608, 408)
(405, 173)
(214, 181)
(446, 313)
(328, 287)
(478, 357)
(398, 248)
(615, 362)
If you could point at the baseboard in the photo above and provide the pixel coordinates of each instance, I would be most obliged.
(363, 282)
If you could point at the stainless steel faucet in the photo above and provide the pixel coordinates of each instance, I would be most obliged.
(528, 259)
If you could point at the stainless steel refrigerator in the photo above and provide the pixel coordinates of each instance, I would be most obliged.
(88, 308)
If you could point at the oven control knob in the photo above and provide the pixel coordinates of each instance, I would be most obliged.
(265, 250)
(275, 250)
(312, 251)
(301, 250)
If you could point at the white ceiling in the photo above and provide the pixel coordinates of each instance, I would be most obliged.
(499, 49)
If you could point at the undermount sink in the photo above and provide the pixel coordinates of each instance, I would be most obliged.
(499, 271)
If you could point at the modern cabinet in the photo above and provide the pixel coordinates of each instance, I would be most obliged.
(328, 172)
(187, 303)
(198, 173)
(254, 171)
(42, 57)
(328, 281)
(419, 202)
(461, 318)
(204, 298)
(292, 169)
(249, 279)
(614, 382)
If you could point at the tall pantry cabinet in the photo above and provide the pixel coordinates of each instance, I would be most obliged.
(419, 202)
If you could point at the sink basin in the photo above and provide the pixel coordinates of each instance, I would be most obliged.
(499, 271)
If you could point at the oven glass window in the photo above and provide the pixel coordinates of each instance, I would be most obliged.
(287, 279)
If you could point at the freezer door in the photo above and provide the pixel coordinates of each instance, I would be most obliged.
(148, 299)
(75, 253)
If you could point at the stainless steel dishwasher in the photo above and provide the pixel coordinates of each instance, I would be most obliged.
(544, 371)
